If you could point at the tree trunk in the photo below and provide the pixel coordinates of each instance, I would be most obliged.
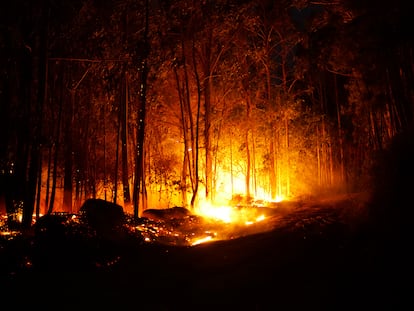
(186, 168)
(49, 171)
(272, 173)
(56, 145)
(189, 121)
(184, 173)
(248, 165)
(318, 155)
(38, 85)
(340, 133)
(139, 181)
(207, 137)
(118, 134)
(254, 179)
(278, 166)
(124, 142)
(67, 181)
(287, 156)
(39, 186)
(248, 158)
(195, 152)
(124, 123)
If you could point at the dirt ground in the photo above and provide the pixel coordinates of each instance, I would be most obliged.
(317, 256)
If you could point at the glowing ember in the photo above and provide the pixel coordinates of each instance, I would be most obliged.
(7, 233)
(202, 240)
(260, 218)
(206, 236)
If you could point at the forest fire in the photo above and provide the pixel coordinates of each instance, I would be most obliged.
(206, 223)
(181, 151)
(175, 226)
(229, 214)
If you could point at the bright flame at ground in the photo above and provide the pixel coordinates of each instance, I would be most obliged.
(244, 214)
(279, 198)
(222, 213)
(229, 214)
(231, 185)
(202, 240)
(260, 218)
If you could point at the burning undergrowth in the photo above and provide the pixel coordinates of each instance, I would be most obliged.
(179, 226)
(101, 237)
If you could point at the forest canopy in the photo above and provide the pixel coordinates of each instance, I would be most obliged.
(157, 104)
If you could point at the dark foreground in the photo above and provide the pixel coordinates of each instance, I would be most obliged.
(315, 258)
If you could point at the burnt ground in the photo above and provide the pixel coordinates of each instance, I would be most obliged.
(319, 255)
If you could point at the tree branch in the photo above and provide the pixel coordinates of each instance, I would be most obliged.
(87, 60)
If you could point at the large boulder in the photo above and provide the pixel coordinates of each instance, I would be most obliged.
(103, 216)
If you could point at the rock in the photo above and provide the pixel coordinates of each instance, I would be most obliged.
(103, 216)
(166, 214)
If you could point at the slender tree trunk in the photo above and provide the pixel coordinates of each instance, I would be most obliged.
(139, 181)
(118, 134)
(207, 137)
(197, 125)
(39, 186)
(254, 164)
(105, 182)
(67, 181)
(278, 166)
(318, 155)
(43, 104)
(184, 179)
(231, 166)
(188, 111)
(186, 165)
(207, 87)
(49, 172)
(248, 156)
(340, 132)
(124, 141)
(82, 159)
(36, 117)
(124, 123)
(248, 165)
(57, 146)
(272, 173)
(331, 173)
(324, 158)
(93, 174)
(287, 156)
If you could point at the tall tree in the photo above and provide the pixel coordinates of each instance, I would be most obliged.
(124, 139)
(139, 181)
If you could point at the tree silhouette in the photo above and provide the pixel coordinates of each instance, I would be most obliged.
(294, 97)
